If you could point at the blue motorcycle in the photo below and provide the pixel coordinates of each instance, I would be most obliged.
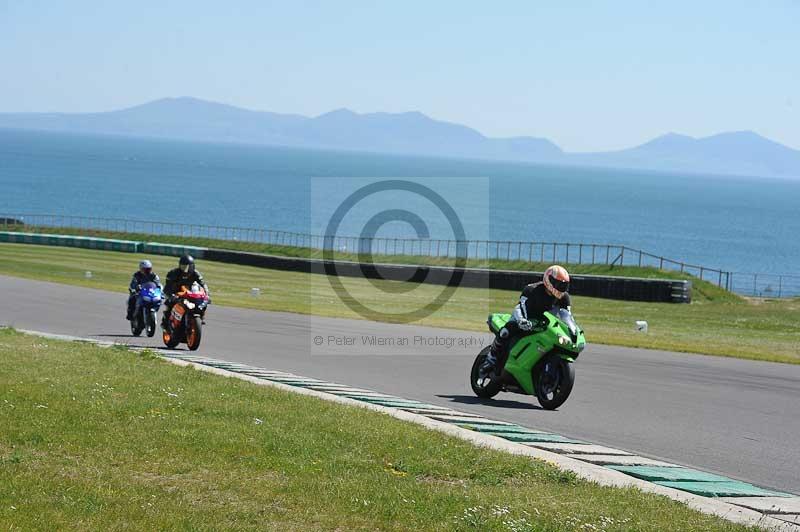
(148, 301)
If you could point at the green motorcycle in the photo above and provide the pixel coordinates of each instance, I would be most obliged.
(540, 363)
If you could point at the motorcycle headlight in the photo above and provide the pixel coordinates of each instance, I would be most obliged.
(563, 340)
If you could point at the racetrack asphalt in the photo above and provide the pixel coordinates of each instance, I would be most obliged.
(734, 417)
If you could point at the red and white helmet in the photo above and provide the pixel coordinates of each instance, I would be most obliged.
(556, 281)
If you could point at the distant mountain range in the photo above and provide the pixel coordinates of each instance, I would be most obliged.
(738, 153)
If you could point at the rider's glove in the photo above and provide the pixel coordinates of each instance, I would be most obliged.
(524, 325)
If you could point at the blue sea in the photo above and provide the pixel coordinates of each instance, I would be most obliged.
(734, 223)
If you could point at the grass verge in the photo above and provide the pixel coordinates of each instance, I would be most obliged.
(702, 290)
(100, 439)
(760, 330)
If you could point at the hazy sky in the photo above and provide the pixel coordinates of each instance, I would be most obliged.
(591, 76)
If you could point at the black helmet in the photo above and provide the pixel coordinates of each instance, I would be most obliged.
(186, 264)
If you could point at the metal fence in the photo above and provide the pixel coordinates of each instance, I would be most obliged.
(759, 285)
(769, 285)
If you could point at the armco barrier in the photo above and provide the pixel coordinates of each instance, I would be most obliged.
(71, 241)
(625, 288)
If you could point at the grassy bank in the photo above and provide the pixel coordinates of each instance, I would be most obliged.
(99, 439)
(761, 330)
(702, 289)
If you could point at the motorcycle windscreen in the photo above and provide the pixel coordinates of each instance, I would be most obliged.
(565, 316)
(150, 292)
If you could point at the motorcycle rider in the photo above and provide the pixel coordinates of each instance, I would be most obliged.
(144, 274)
(181, 277)
(535, 300)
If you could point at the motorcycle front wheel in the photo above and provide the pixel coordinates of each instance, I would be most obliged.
(150, 324)
(553, 379)
(483, 386)
(195, 333)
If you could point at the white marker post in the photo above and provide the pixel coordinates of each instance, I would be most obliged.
(255, 292)
(641, 326)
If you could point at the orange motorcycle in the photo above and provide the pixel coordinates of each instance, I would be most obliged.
(185, 324)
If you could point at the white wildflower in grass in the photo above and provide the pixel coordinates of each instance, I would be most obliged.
(472, 516)
(361, 502)
(518, 525)
(258, 421)
(499, 511)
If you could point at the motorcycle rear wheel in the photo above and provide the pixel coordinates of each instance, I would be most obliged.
(486, 387)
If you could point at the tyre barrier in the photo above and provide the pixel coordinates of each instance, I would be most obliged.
(607, 287)
(157, 248)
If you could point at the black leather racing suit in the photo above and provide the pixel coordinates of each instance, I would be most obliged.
(138, 280)
(177, 279)
(534, 301)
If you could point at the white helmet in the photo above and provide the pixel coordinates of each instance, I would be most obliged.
(145, 266)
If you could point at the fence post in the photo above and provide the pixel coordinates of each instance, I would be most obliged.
(580, 253)
(608, 250)
(640, 258)
(780, 285)
(755, 279)
(566, 261)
